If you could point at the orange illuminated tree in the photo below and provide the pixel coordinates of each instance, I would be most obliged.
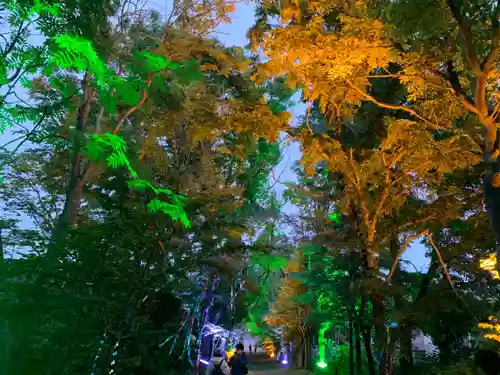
(445, 54)
(291, 311)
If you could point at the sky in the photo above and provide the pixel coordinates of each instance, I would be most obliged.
(234, 34)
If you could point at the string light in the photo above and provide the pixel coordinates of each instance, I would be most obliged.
(215, 330)
(195, 318)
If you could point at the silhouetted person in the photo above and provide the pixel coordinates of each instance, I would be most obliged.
(239, 361)
(218, 365)
(250, 349)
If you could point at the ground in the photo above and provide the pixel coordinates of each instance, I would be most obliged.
(261, 364)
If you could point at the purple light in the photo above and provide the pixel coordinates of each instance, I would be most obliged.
(285, 362)
(204, 361)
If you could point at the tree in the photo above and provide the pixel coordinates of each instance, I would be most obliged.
(118, 267)
(291, 310)
(447, 69)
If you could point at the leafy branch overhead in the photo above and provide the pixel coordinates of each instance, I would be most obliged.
(115, 147)
(70, 53)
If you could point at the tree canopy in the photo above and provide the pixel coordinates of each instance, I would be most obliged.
(141, 226)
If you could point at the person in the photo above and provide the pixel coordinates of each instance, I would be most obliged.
(239, 361)
(218, 365)
(250, 349)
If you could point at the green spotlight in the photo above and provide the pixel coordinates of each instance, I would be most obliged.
(322, 364)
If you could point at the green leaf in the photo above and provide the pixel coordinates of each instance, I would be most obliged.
(188, 72)
(128, 94)
(140, 185)
(156, 62)
(95, 151)
(73, 52)
(334, 217)
(301, 276)
(305, 299)
(38, 8)
(177, 213)
(109, 100)
(275, 106)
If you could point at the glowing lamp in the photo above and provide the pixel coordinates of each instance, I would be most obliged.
(230, 353)
(272, 355)
(205, 362)
(322, 364)
(285, 362)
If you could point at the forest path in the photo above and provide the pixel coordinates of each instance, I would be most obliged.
(261, 364)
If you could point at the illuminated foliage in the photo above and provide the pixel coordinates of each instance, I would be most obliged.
(152, 120)
(492, 329)
(269, 348)
(489, 264)
(446, 58)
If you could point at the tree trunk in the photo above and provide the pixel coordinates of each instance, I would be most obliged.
(2, 256)
(370, 265)
(445, 350)
(492, 199)
(351, 345)
(74, 190)
(380, 332)
(406, 348)
(74, 193)
(308, 365)
(368, 351)
(405, 330)
(357, 337)
(426, 282)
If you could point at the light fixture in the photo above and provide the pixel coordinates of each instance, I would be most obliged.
(285, 362)
(322, 364)
(204, 361)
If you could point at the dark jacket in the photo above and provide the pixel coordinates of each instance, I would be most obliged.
(238, 364)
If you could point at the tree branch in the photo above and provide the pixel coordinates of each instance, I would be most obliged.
(357, 185)
(411, 111)
(403, 250)
(135, 107)
(441, 261)
(466, 35)
(495, 41)
(465, 100)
